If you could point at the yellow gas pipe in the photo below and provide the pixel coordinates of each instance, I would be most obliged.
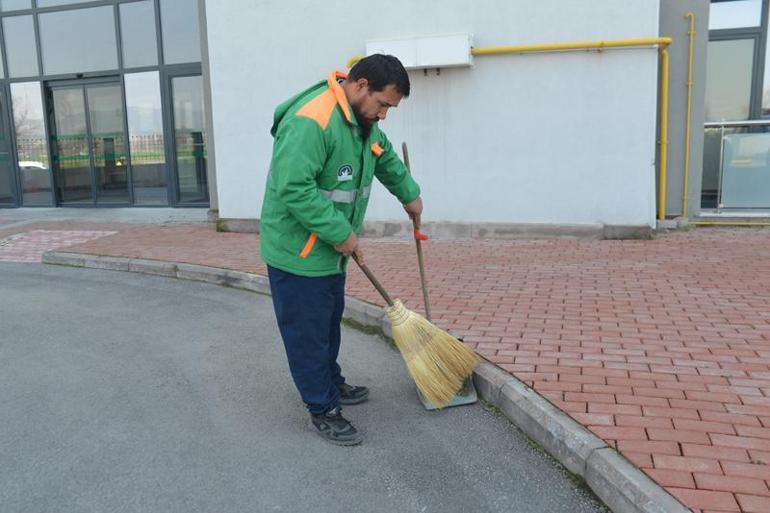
(729, 223)
(661, 42)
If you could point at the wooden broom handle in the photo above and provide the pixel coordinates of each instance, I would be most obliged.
(374, 281)
(418, 243)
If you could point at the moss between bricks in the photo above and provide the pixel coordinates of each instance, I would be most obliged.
(576, 480)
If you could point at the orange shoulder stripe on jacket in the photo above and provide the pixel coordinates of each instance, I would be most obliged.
(320, 108)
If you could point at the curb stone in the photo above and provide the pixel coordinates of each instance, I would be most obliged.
(623, 487)
(619, 484)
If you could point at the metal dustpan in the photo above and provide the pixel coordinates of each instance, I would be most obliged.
(467, 394)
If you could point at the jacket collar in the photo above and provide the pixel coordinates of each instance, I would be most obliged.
(339, 94)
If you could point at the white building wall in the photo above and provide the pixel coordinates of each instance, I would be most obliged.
(562, 138)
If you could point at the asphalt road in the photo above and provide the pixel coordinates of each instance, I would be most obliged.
(128, 393)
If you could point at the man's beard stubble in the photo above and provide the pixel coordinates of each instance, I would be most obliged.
(363, 123)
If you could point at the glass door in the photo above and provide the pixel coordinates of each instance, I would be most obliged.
(88, 144)
(190, 140)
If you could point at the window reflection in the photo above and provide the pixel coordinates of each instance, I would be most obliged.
(78, 41)
(735, 14)
(728, 79)
(146, 141)
(179, 27)
(15, 5)
(190, 138)
(20, 47)
(137, 28)
(108, 143)
(53, 3)
(31, 144)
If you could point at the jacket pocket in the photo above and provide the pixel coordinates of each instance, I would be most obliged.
(308, 246)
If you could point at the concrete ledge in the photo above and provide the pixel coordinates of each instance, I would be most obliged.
(536, 231)
(623, 487)
(451, 230)
(489, 380)
(107, 263)
(248, 281)
(680, 223)
(559, 433)
(155, 267)
(613, 232)
(237, 225)
(364, 313)
(61, 258)
(202, 273)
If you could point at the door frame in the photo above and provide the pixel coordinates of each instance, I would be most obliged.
(6, 117)
(167, 75)
(83, 84)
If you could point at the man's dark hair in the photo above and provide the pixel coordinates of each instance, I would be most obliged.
(381, 71)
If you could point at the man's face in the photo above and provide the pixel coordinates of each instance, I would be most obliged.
(372, 106)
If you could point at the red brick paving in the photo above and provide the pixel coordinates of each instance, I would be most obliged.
(30, 246)
(660, 347)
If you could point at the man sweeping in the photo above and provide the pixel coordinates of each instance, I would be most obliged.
(327, 149)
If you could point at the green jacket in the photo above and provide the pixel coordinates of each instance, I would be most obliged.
(320, 177)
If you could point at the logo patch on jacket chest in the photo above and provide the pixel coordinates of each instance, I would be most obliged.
(345, 173)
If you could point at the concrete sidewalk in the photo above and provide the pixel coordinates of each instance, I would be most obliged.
(661, 347)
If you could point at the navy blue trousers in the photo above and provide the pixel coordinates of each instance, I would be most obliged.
(309, 312)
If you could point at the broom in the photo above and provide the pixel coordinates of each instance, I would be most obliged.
(438, 363)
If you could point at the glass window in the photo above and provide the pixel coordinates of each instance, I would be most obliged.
(746, 171)
(31, 143)
(20, 48)
(53, 3)
(137, 28)
(78, 41)
(15, 5)
(181, 38)
(190, 139)
(728, 79)
(145, 135)
(735, 14)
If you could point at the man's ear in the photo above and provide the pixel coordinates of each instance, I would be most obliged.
(362, 84)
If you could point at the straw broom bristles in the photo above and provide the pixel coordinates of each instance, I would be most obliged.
(437, 361)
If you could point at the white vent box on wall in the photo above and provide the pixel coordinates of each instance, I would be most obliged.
(446, 51)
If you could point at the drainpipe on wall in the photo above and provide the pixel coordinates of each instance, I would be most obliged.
(691, 35)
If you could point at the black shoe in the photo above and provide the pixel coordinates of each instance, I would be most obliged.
(353, 395)
(335, 428)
